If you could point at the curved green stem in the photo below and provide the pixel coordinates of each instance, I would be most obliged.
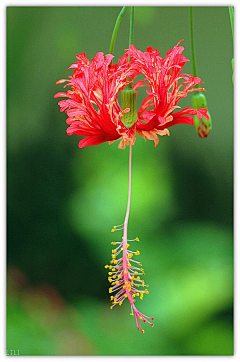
(131, 26)
(129, 86)
(231, 14)
(194, 66)
(115, 30)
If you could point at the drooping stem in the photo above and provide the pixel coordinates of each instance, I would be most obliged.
(125, 227)
(129, 86)
(194, 66)
(115, 30)
(231, 14)
(131, 26)
(129, 185)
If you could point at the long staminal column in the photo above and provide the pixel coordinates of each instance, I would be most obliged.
(125, 273)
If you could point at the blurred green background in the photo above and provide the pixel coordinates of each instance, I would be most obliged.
(62, 201)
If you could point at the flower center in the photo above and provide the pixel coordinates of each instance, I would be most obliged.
(128, 98)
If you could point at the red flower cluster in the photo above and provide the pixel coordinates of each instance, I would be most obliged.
(92, 104)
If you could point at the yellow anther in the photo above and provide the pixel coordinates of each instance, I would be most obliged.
(124, 286)
(132, 277)
(111, 307)
(112, 231)
(137, 294)
(120, 303)
(115, 299)
(143, 331)
(127, 246)
(131, 314)
(119, 276)
(125, 272)
(138, 278)
(110, 267)
(113, 283)
(114, 276)
(130, 255)
(137, 239)
(125, 295)
(114, 302)
(141, 295)
(140, 317)
(111, 298)
(142, 282)
(109, 273)
(146, 291)
(110, 290)
(115, 262)
(113, 243)
(135, 272)
(106, 266)
(111, 261)
(133, 295)
(110, 280)
(113, 269)
(137, 252)
(114, 227)
(113, 256)
(129, 265)
(117, 282)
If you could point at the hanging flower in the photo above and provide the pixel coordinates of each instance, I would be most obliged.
(93, 108)
(93, 111)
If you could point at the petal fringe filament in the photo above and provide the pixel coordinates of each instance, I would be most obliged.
(125, 276)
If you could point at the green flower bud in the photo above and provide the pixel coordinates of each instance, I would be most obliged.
(199, 100)
(129, 100)
(203, 126)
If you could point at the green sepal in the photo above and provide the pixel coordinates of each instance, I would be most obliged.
(129, 100)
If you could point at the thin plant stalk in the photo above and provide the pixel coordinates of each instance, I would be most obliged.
(193, 59)
(115, 30)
